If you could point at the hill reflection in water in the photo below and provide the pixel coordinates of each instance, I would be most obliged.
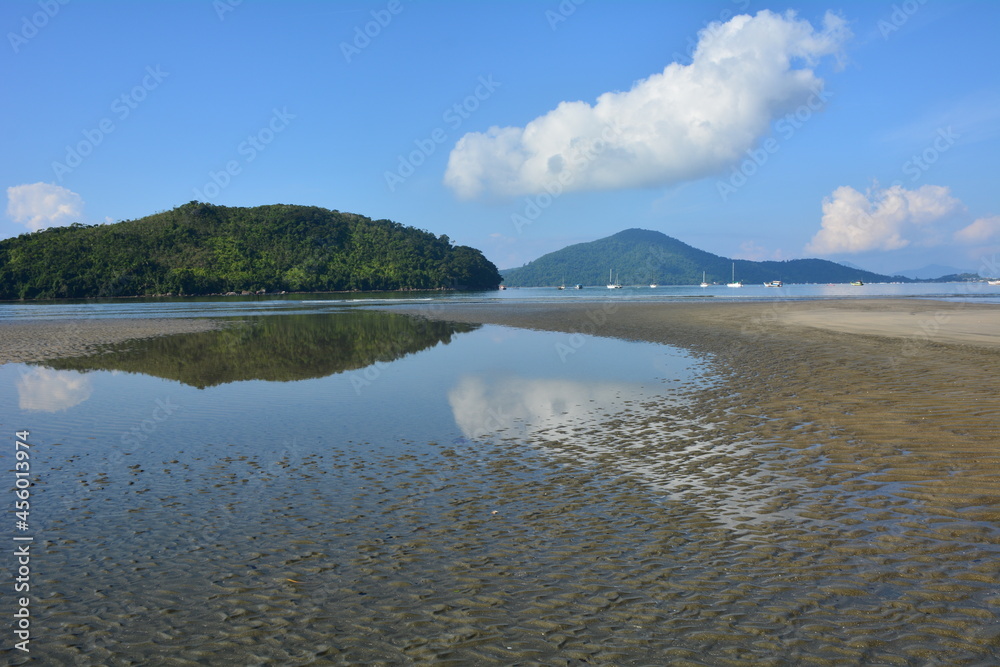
(276, 348)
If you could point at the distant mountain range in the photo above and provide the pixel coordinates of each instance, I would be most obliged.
(640, 256)
(933, 272)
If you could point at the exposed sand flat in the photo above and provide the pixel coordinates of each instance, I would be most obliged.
(916, 320)
(37, 340)
(925, 320)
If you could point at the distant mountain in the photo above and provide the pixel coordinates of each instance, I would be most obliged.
(203, 249)
(932, 272)
(639, 256)
(956, 278)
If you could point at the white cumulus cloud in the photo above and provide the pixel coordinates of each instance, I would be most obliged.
(684, 123)
(881, 219)
(41, 205)
(981, 230)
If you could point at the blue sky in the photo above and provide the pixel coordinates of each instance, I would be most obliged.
(856, 131)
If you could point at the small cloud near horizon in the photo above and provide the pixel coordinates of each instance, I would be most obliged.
(980, 231)
(41, 205)
(883, 219)
(674, 126)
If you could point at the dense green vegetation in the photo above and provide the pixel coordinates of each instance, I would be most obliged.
(277, 348)
(639, 256)
(204, 249)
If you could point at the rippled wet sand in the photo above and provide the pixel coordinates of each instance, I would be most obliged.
(504, 553)
(815, 505)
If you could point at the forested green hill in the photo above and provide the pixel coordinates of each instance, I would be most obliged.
(639, 256)
(204, 249)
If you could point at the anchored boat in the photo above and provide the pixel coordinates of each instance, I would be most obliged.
(735, 283)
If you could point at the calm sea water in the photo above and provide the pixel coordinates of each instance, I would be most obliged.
(318, 303)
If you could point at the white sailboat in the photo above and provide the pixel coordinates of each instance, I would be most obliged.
(703, 283)
(735, 283)
(615, 284)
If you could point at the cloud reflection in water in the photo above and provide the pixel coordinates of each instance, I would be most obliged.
(47, 390)
(522, 406)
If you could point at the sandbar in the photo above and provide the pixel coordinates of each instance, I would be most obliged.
(26, 341)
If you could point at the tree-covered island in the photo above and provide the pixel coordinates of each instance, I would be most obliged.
(202, 248)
